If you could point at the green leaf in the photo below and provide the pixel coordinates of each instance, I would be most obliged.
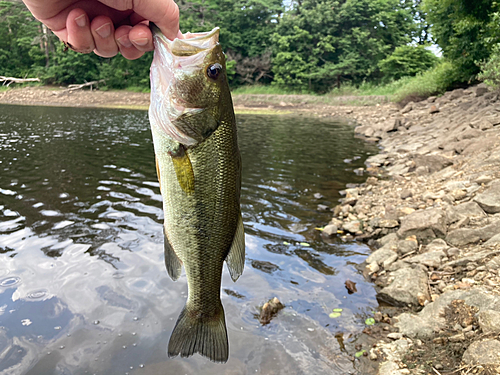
(305, 244)
(370, 321)
(337, 310)
(360, 353)
(334, 315)
(286, 243)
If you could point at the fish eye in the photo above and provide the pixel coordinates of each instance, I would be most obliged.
(214, 70)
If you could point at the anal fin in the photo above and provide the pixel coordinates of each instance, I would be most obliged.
(172, 261)
(236, 257)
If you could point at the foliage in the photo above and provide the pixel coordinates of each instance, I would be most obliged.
(463, 30)
(432, 82)
(407, 61)
(324, 43)
(490, 69)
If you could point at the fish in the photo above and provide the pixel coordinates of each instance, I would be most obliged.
(199, 170)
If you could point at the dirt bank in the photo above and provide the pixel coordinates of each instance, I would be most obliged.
(320, 105)
(432, 211)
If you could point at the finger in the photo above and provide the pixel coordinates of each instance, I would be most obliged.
(127, 49)
(164, 13)
(78, 28)
(141, 37)
(103, 32)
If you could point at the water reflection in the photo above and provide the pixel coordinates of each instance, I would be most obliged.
(83, 287)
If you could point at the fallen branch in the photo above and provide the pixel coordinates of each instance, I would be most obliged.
(86, 84)
(8, 80)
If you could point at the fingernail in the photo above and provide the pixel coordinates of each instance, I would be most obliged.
(140, 41)
(104, 31)
(81, 20)
(124, 41)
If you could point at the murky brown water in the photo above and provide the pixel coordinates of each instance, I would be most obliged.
(83, 286)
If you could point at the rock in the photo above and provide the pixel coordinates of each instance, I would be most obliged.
(433, 109)
(330, 230)
(380, 255)
(495, 240)
(485, 352)
(464, 236)
(489, 321)
(322, 207)
(437, 245)
(483, 179)
(433, 162)
(490, 199)
(407, 108)
(457, 93)
(484, 124)
(388, 239)
(424, 224)
(385, 223)
(372, 268)
(480, 91)
(469, 209)
(352, 226)
(404, 289)
(269, 310)
(389, 261)
(406, 193)
(431, 319)
(457, 338)
(395, 335)
(431, 259)
(405, 247)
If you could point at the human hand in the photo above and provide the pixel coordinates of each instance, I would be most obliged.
(107, 26)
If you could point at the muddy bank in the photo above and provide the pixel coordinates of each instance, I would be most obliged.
(431, 209)
(269, 104)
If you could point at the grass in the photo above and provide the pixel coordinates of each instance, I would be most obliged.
(266, 90)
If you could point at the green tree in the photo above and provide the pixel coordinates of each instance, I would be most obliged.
(463, 30)
(407, 61)
(319, 44)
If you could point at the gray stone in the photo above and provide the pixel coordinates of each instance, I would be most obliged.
(490, 199)
(330, 230)
(431, 259)
(433, 162)
(387, 263)
(407, 108)
(424, 224)
(405, 246)
(480, 91)
(437, 245)
(494, 263)
(495, 240)
(431, 318)
(489, 321)
(380, 255)
(388, 239)
(485, 352)
(387, 223)
(352, 226)
(464, 236)
(457, 93)
(470, 134)
(406, 287)
(469, 209)
(474, 257)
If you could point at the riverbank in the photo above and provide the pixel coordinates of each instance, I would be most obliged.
(243, 103)
(432, 210)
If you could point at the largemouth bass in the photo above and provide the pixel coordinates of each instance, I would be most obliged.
(199, 170)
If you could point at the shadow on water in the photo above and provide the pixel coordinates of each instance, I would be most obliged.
(83, 288)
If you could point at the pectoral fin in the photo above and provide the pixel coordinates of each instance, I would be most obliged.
(236, 258)
(183, 170)
(158, 171)
(172, 261)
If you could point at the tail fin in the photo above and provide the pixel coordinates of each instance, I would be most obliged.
(194, 333)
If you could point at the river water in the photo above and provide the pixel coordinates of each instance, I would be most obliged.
(83, 286)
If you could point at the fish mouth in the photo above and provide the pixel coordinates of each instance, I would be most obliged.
(186, 54)
(190, 44)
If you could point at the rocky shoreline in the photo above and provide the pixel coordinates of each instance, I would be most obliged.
(431, 209)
